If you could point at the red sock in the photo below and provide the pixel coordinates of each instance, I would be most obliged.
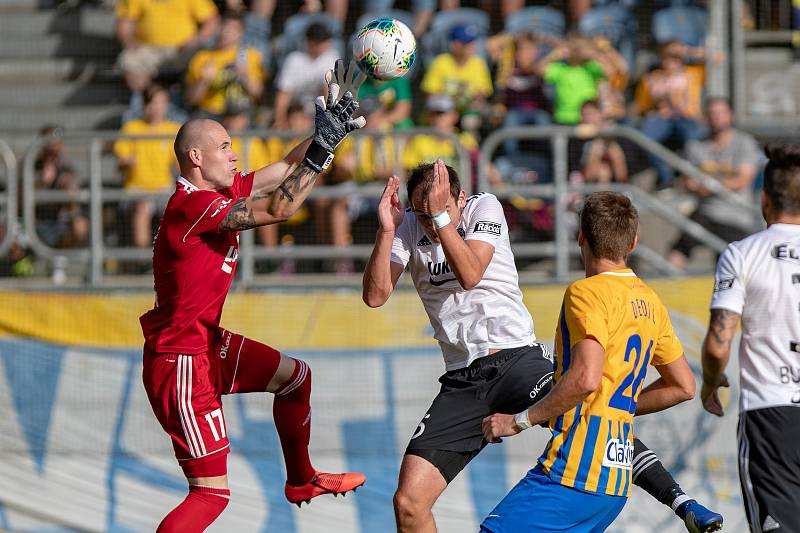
(292, 413)
(194, 514)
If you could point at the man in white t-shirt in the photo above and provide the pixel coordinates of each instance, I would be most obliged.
(758, 281)
(458, 253)
(298, 80)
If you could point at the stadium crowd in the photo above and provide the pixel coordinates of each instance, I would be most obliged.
(503, 64)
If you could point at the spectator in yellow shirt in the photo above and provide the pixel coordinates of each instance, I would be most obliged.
(226, 75)
(461, 75)
(443, 117)
(157, 32)
(148, 164)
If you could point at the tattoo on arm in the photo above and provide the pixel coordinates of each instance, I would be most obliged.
(240, 217)
(298, 181)
(722, 326)
(286, 192)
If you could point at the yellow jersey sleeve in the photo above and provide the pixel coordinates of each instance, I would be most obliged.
(128, 9)
(481, 78)
(203, 9)
(668, 346)
(584, 315)
(433, 83)
(124, 147)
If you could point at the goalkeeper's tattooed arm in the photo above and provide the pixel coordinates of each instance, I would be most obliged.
(270, 207)
(716, 352)
(276, 200)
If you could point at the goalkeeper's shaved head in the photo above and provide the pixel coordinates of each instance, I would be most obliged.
(193, 134)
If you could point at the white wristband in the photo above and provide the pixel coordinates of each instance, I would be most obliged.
(440, 220)
(522, 420)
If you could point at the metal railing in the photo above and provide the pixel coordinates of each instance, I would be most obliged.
(560, 189)
(8, 201)
(97, 195)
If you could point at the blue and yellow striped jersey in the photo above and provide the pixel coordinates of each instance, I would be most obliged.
(592, 444)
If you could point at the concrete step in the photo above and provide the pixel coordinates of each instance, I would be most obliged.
(62, 93)
(25, 24)
(24, 119)
(77, 46)
(38, 69)
(10, 6)
(49, 69)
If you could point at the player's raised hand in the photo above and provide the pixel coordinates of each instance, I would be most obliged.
(497, 426)
(345, 77)
(709, 395)
(390, 212)
(332, 121)
(439, 194)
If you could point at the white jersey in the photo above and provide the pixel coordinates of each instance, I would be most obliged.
(759, 278)
(467, 323)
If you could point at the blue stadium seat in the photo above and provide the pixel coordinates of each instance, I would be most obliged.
(435, 42)
(294, 33)
(406, 17)
(536, 19)
(629, 4)
(616, 24)
(686, 24)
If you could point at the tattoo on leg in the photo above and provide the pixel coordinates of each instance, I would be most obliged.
(240, 217)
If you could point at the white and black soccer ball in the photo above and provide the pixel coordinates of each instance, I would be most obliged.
(385, 49)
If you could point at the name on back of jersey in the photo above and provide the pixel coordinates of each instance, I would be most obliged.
(786, 252)
(618, 454)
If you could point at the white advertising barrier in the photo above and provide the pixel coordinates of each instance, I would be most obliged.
(81, 450)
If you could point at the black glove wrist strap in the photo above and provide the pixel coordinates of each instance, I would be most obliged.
(317, 157)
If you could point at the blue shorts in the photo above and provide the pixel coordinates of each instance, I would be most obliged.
(537, 503)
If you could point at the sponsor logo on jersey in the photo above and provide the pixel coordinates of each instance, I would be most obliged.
(786, 252)
(424, 241)
(439, 269)
(618, 454)
(221, 206)
(223, 352)
(723, 284)
(485, 226)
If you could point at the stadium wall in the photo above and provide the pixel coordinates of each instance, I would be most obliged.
(82, 451)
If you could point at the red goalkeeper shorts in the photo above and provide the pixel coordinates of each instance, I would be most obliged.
(186, 391)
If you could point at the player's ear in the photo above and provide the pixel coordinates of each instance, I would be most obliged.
(194, 156)
(462, 200)
(634, 244)
(581, 237)
(764, 205)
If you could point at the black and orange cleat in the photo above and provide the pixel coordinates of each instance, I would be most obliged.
(324, 483)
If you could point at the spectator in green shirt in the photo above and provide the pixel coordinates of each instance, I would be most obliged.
(393, 98)
(575, 73)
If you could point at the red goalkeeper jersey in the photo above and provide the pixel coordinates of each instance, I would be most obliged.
(193, 266)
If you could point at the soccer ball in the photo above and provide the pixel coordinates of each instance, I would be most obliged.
(385, 49)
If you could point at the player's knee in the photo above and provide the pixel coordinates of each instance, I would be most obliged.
(299, 380)
(408, 508)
